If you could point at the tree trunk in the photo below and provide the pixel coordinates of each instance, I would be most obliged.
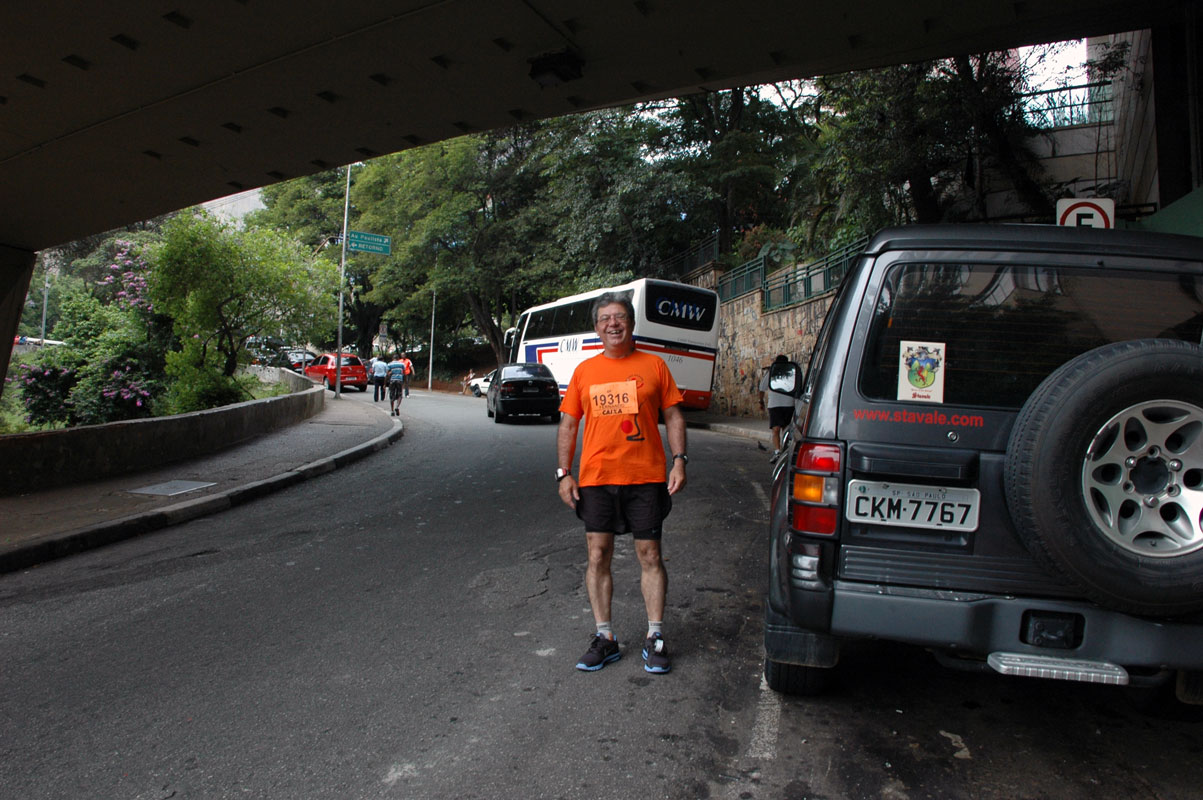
(1027, 188)
(924, 199)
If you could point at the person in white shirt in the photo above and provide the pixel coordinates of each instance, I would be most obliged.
(379, 372)
(780, 406)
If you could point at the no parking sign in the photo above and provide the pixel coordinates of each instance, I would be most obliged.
(1094, 212)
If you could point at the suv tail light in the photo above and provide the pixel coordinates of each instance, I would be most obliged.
(815, 499)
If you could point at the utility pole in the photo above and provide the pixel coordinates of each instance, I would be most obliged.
(45, 301)
(342, 271)
(430, 356)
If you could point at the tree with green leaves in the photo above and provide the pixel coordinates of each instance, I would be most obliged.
(310, 210)
(618, 211)
(458, 215)
(736, 143)
(919, 142)
(222, 286)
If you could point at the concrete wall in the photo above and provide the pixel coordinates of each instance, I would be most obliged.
(748, 341)
(30, 461)
(1135, 121)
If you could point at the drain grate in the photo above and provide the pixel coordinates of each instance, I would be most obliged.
(172, 488)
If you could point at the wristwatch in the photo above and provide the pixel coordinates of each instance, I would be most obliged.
(684, 458)
(561, 474)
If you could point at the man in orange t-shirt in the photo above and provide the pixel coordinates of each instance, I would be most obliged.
(409, 371)
(621, 395)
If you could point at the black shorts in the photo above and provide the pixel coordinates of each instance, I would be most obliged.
(638, 509)
(394, 389)
(779, 416)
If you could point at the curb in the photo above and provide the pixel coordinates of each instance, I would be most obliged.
(115, 530)
(732, 430)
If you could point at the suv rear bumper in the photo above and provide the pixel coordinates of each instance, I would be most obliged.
(977, 624)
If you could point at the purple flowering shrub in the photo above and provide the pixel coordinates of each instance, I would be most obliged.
(46, 385)
(117, 387)
(127, 279)
(111, 368)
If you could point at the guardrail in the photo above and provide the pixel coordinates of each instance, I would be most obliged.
(801, 283)
(1085, 103)
(747, 277)
(703, 253)
(791, 285)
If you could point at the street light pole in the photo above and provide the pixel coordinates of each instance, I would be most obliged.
(342, 271)
(430, 356)
(45, 301)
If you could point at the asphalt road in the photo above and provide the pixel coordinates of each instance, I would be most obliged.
(406, 627)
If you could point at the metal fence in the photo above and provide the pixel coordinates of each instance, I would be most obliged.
(792, 285)
(1087, 103)
(701, 254)
(747, 277)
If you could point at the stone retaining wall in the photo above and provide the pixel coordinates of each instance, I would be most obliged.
(749, 339)
(42, 460)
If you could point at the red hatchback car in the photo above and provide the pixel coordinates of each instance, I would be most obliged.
(323, 371)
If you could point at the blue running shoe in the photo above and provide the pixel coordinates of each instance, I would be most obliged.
(655, 655)
(601, 652)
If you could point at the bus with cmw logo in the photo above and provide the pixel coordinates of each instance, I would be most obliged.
(676, 321)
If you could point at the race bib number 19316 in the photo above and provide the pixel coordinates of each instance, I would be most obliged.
(614, 398)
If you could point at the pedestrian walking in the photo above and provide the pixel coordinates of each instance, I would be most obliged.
(621, 394)
(379, 379)
(780, 406)
(396, 385)
(409, 371)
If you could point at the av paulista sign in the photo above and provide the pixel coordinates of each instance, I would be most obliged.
(1086, 212)
(369, 242)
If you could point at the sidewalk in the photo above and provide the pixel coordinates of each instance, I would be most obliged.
(41, 526)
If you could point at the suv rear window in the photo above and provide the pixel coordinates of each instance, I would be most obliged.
(526, 371)
(1006, 328)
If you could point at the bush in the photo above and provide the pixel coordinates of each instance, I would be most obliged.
(114, 389)
(197, 383)
(46, 381)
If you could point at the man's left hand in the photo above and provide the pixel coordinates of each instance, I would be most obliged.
(676, 478)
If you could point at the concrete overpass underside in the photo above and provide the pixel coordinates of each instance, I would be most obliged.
(112, 113)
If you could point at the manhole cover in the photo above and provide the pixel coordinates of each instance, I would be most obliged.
(172, 488)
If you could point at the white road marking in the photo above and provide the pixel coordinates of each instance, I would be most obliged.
(398, 771)
(761, 494)
(765, 728)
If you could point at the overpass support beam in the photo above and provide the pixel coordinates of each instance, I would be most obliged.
(1178, 75)
(16, 268)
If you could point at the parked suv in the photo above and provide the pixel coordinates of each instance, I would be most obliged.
(998, 455)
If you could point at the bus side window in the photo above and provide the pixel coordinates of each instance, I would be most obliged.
(583, 321)
(541, 325)
(574, 318)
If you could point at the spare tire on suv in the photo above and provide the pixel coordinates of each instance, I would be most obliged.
(1104, 475)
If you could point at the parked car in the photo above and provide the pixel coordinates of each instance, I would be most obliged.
(292, 358)
(524, 388)
(998, 455)
(480, 386)
(323, 370)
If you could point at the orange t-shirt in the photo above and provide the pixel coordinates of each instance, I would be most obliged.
(620, 400)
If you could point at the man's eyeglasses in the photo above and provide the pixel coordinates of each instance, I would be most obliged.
(604, 318)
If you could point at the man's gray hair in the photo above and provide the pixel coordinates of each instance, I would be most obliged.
(609, 298)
